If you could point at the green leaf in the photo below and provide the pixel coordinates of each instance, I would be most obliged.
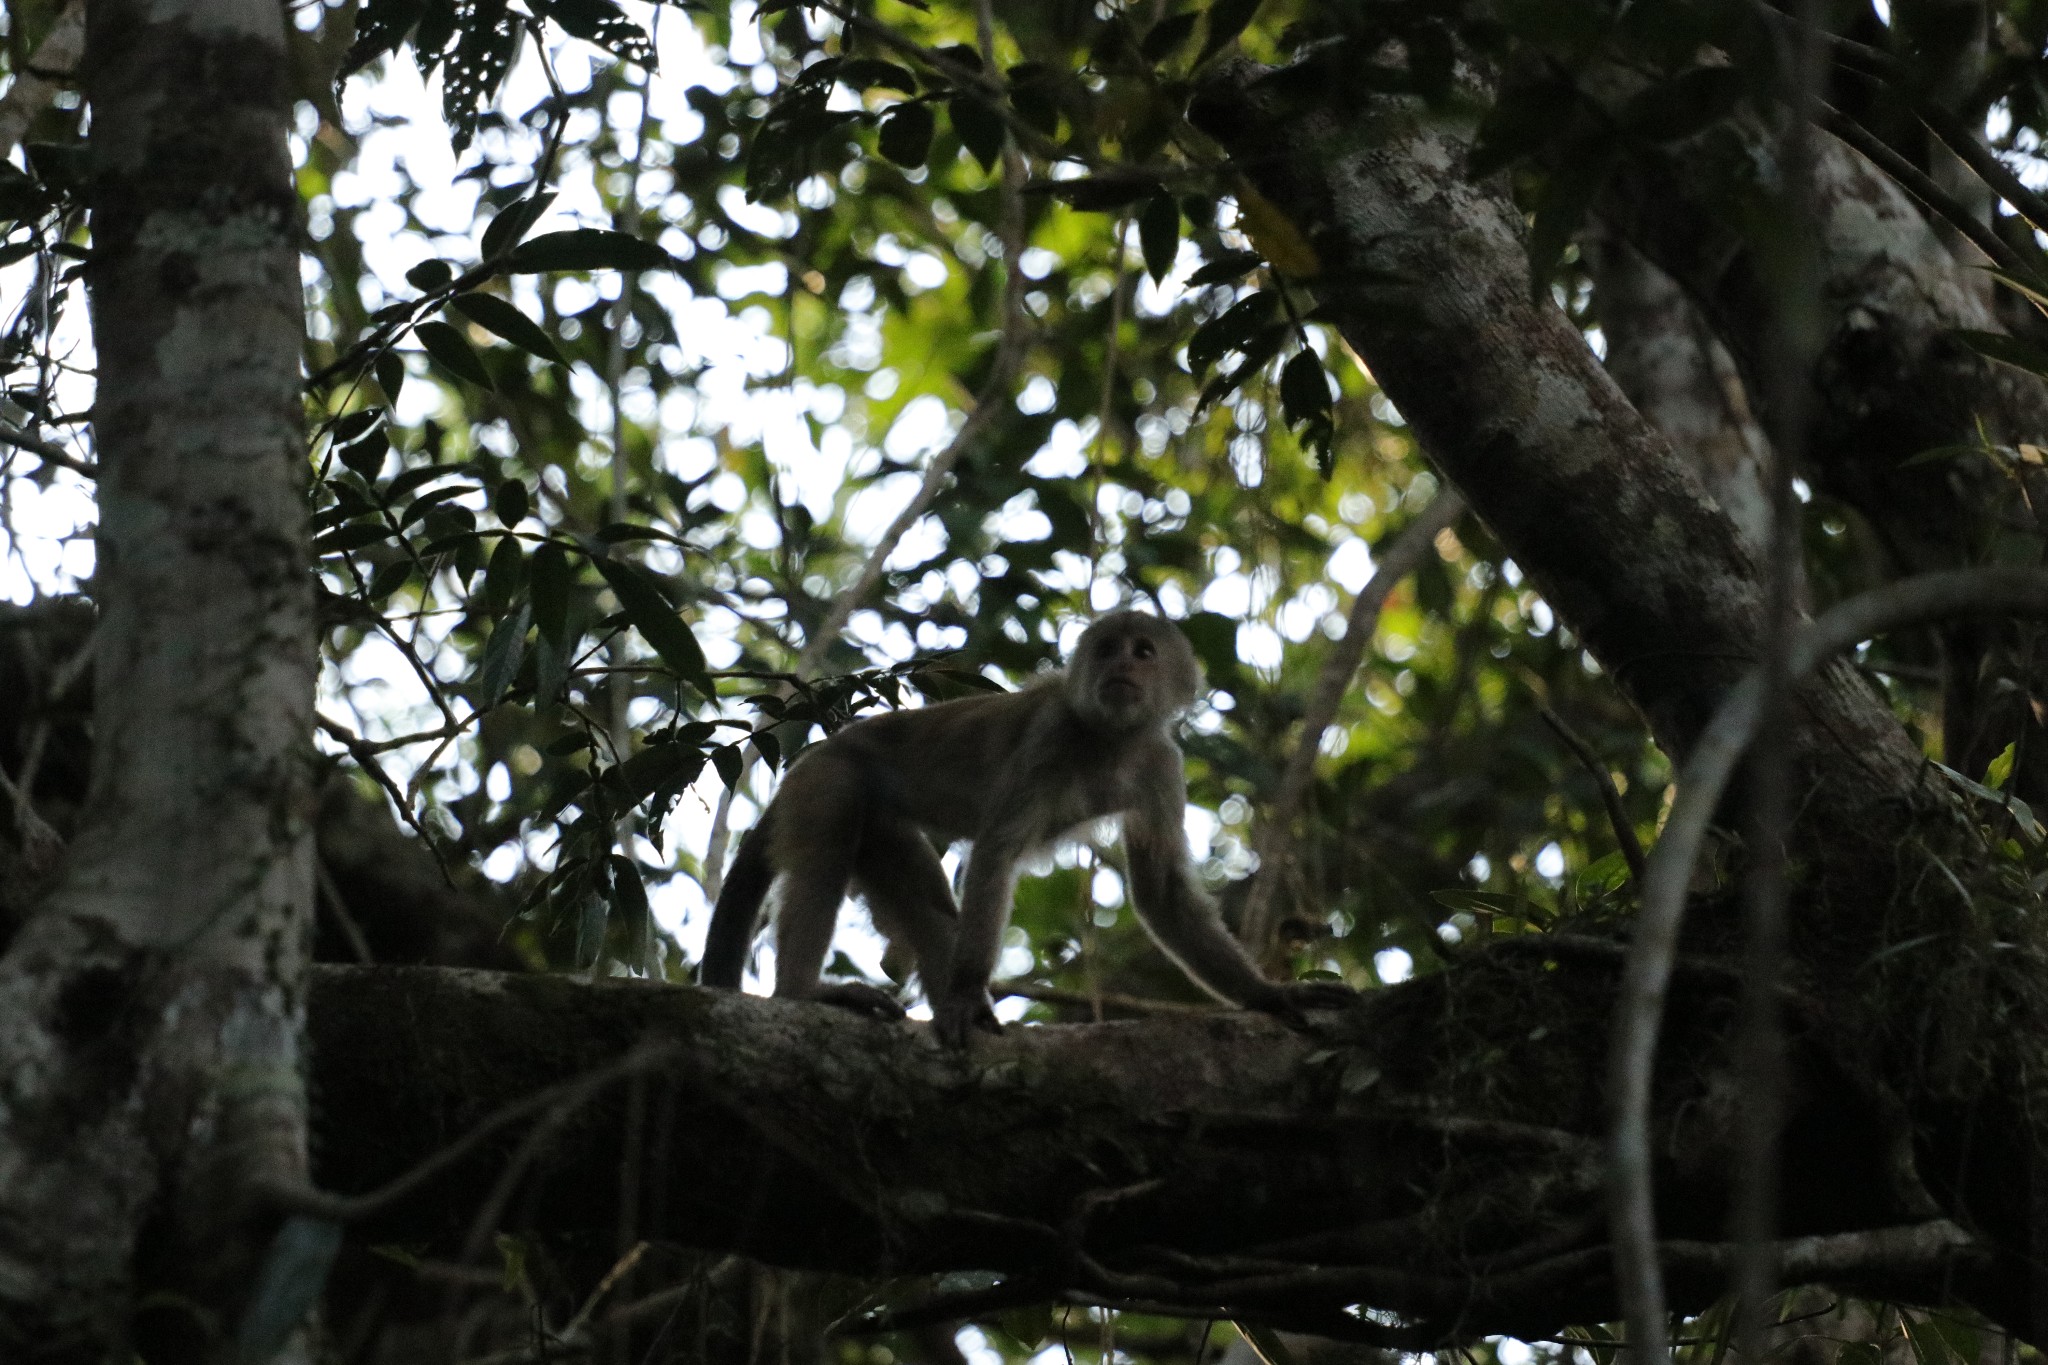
(381, 25)
(389, 580)
(453, 351)
(503, 655)
(2021, 355)
(649, 611)
(586, 249)
(405, 481)
(353, 426)
(620, 532)
(590, 923)
(427, 502)
(512, 502)
(2021, 813)
(353, 536)
(366, 457)
(1034, 95)
(2000, 768)
(731, 764)
(906, 134)
(980, 128)
(1231, 265)
(1227, 19)
(549, 573)
(512, 222)
(1260, 348)
(550, 670)
(644, 773)
(600, 22)
(1230, 331)
(1159, 235)
(1304, 388)
(1604, 874)
(390, 369)
(491, 312)
(1101, 193)
(430, 275)
(505, 575)
(629, 895)
(870, 73)
(486, 40)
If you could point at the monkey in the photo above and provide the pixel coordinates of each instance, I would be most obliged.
(1013, 772)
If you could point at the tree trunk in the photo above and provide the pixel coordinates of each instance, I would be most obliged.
(150, 1010)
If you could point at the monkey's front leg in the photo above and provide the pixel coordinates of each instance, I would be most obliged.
(960, 1001)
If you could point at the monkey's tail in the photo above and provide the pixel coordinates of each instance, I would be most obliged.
(739, 906)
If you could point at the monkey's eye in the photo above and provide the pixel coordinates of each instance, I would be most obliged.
(1142, 648)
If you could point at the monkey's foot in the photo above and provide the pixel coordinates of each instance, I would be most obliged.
(955, 1019)
(861, 998)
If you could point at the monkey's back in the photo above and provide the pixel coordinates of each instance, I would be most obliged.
(937, 766)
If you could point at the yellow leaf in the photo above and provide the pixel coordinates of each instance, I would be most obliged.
(2000, 768)
(1275, 235)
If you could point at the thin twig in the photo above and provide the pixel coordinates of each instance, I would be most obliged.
(1610, 796)
(1395, 559)
(1639, 1011)
(378, 746)
(366, 759)
(48, 451)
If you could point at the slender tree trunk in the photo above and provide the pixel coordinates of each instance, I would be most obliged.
(150, 1012)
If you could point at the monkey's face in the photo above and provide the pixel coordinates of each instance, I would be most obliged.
(1132, 670)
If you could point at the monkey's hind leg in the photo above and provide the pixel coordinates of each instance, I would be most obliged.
(899, 875)
(817, 862)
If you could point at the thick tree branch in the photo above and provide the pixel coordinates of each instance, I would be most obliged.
(1616, 530)
(1207, 1164)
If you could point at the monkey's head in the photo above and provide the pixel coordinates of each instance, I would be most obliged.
(1130, 671)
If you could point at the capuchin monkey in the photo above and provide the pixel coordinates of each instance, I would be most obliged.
(1013, 772)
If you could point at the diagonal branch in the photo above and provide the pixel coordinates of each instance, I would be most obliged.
(1010, 347)
(1399, 556)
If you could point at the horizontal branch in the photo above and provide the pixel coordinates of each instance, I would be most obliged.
(1214, 1161)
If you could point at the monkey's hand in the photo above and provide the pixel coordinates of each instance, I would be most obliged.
(1289, 1001)
(958, 1015)
(861, 998)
